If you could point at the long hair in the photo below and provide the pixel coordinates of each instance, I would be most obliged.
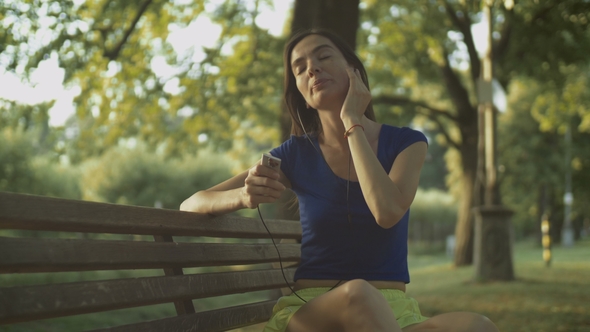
(293, 98)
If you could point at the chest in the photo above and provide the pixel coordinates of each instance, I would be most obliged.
(342, 163)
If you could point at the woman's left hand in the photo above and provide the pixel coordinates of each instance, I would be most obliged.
(357, 99)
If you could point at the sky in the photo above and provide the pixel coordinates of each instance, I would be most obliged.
(46, 80)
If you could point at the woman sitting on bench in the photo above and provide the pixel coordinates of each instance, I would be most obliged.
(355, 180)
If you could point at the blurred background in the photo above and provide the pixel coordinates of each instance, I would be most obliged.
(146, 102)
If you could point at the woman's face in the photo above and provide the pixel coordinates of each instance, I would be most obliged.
(320, 72)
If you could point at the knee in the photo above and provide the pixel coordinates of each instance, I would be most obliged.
(461, 322)
(365, 308)
(359, 292)
(481, 323)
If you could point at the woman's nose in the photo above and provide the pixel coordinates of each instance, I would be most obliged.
(314, 70)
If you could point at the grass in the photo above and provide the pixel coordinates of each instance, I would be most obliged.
(555, 298)
(541, 298)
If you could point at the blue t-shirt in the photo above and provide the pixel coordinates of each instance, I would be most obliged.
(331, 247)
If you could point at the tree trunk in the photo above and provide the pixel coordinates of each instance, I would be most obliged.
(338, 16)
(471, 194)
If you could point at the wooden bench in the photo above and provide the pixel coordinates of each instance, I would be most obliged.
(71, 235)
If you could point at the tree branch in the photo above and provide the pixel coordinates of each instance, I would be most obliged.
(444, 131)
(422, 108)
(404, 101)
(114, 53)
(464, 25)
(457, 92)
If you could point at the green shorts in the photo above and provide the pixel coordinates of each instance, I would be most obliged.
(404, 308)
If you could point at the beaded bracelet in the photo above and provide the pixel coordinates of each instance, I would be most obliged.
(347, 133)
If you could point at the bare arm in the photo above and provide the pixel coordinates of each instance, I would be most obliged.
(388, 196)
(259, 184)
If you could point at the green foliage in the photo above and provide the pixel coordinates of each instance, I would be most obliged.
(434, 171)
(557, 106)
(401, 44)
(532, 154)
(546, 36)
(139, 177)
(108, 48)
(406, 45)
(34, 121)
(22, 171)
(432, 218)
(530, 158)
(434, 206)
(234, 96)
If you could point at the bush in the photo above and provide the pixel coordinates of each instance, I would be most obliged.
(432, 218)
(24, 170)
(139, 177)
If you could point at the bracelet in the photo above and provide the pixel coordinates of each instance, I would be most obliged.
(347, 133)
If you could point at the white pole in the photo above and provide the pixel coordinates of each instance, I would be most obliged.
(567, 233)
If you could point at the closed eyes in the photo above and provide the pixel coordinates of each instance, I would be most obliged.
(300, 70)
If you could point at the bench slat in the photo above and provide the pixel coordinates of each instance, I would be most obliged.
(31, 212)
(208, 321)
(48, 301)
(23, 255)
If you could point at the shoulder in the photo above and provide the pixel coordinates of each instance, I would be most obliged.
(293, 142)
(292, 153)
(396, 139)
(403, 134)
(293, 148)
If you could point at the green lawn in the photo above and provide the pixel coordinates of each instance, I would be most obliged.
(541, 299)
(555, 298)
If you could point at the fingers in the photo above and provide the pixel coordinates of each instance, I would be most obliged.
(356, 81)
(261, 170)
(358, 97)
(262, 186)
(353, 73)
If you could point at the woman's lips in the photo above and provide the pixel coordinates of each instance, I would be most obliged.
(319, 84)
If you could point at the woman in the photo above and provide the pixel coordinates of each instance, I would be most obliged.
(355, 180)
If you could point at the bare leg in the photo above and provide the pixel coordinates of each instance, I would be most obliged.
(454, 322)
(355, 306)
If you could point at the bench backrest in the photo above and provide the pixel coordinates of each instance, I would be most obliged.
(75, 238)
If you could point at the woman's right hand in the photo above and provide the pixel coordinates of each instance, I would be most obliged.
(262, 185)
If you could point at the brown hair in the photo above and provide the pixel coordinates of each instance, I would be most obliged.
(293, 98)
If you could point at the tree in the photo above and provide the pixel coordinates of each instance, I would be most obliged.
(31, 119)
(107, 49)
(532, 138)
(415, 48)
(339, 16)
(531, 160)
(103, 49)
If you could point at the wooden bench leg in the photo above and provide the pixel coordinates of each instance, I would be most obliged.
(185, 306)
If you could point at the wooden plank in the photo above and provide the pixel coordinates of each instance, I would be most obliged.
(30, 212)
(23, 255)
(209, 321)
(47, 301)
(182, 307)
